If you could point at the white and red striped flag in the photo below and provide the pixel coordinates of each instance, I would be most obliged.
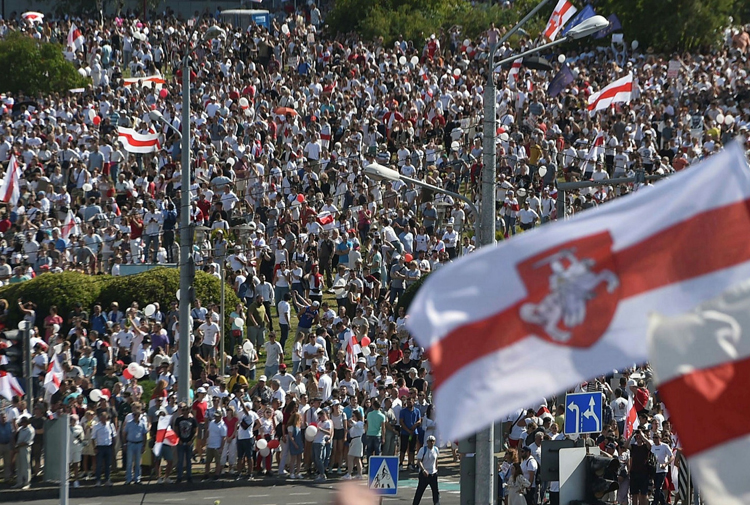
(556, 306)
(9, 386)
(54, 376)
(135, 142)
(564, 10)
(515, 68)
(75, 38)
(70, 226)
(164, 434)
(617, 92)
(10, 191)
(701, 362)
(352, 350)
(631, 418)
(33, 17)
(326, 220)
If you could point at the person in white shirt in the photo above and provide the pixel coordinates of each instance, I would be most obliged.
(248, 422)
(527, 217)
(529, 466)
(619, 408)
(664, 458)
(215, 438)
(427, 459)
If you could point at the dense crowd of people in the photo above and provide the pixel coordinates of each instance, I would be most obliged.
(284, 120)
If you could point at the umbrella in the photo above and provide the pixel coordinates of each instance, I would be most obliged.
(283, 111)
(537, 63)
(140, 36)
(33, 16)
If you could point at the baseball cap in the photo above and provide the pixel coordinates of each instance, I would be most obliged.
(201, 390)
(316, 304)
(335, 402)
(361, 360)
(282, 366)
(431, 437)
(262, 378)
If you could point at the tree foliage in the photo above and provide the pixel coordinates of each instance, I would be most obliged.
(408, 296)
(418, 19)
(668, 25)
(33, 67)
(67, 288)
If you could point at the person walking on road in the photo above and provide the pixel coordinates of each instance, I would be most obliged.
(427, 459)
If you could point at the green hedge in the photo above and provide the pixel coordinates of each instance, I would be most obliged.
(65, 289)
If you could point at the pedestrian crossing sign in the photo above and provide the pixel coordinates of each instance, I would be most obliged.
(383, 474)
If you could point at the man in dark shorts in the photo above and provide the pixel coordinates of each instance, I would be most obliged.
(639, 472)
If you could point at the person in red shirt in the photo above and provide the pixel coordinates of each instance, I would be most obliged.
(640, 395)
(199, 413)
(229, 453)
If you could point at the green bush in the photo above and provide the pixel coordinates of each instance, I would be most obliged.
(33, 67)
(417, 20)
(667, 25)
(405, 299)
(65, 289)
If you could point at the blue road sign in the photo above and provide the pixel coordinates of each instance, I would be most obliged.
(583, 413)
(383, 474)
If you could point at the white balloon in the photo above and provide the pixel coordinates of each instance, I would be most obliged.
(285, 29)
(238, 321)
(149, 310)
(95, 395)
(23, 325)
(521, 192)
(248, 113)
(178, 295)
(414, 60)
(261, 444)
(310, 433)
(728, 119)
(467, 42)
(264, 452)
(720, 118)
(244, 103)
(456, 72)
(542, 171)
(140, 372)
(366, 351)
(402, 60)
(92, 114)
(634, 45)
(133, 368)
(561, 58)
(87, 187)
(247, 347)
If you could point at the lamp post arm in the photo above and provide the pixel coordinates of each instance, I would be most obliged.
(443, 191)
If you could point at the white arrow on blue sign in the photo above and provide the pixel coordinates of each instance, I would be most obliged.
(583, 413)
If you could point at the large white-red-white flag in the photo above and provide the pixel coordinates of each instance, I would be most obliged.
(631, 418)
(75, 38)
(701, 362)
(352, 350)
(557, 305)
(135, 142)
(564, 10)
(10, 191)
(619, 91)
(70, 226)
(9, 386)
(54, 376)
(164, 434)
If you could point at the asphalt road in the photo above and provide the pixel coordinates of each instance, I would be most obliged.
(296, 494)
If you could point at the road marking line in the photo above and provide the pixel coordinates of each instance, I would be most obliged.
(212, 497)
(299, 494)
(303, 503)
(258, 495)
(174, 499)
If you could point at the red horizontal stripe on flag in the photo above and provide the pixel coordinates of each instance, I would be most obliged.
(709, 407)
(611, 92)
(138, 143)
(708, 242)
